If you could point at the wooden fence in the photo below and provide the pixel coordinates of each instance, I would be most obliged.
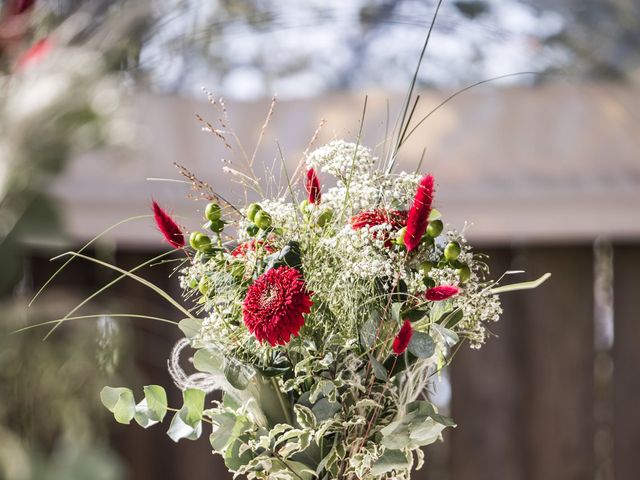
(538, 403)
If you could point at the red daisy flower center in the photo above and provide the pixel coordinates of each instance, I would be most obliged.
(275, 305)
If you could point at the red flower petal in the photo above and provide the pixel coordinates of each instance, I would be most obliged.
(250, 246)
(35, 54)
(442, 292)
(396, 218)
(418, 217)
(169, 229)
(275, 305)
(312, 185)
(401, 342)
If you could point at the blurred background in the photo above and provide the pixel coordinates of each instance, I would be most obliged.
(98, 100)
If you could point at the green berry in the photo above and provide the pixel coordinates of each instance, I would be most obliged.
(435, 228)
(216, 226)
(451, 251)
(193, 283)
(253, 209)
(401, 233)
(428, 282)
(199, 241)
(464, 272)
(262, 219)
(252, 230)
(324, 218)
(204, 287)
(303, 206)
(426, 267)
(213, 212)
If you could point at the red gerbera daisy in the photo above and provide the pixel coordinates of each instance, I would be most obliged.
(250, 246)
(168, 227)
(275, 305)
(401, 342)
(442, 292)
(396, 218)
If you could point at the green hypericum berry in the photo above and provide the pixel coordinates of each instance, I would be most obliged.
(213, 212)
(464, 272)
(401, 233)
(303, 206)
(252, 230)
(435, 228)
(262, 219)
(216, 226)
(204, 287)
(428, 282)
(199, 241)
(324, 218)
(252, 210)
(426, 267)
(193, 283)
(451, 251)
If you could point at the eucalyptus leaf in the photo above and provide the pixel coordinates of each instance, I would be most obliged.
(190, 327)
(237, 374)
(193, 405)
(180, 429)
(156, 401)
(208, 360)
(120, 402)
(421, 345)
(434, 214)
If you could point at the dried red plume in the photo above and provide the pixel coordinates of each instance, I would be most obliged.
(401, 342)
(35, 54)
(312, 185)
(168, 227)
(442, 292)
(418, 217)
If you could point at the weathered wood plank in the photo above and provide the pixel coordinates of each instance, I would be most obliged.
(626, 354)
(488, 389)
(559, 354)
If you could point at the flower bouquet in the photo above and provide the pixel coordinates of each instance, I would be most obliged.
(321, 321)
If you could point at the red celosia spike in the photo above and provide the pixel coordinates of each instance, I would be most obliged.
(312, 185)
(169, 229)
(251, 246)
(442, 292)
(18, 7)
(372, 218)
(401, 342)
(35, 54)
(418, 218)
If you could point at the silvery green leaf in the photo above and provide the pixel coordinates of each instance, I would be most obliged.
(325, 409)
(193, 405)
(369, 329)
(450, 319)
(426, 432)
(421, 345)
(156, 402)
(322, 387)
(441, 419)
(143, 415)
(190, 327)
(305, 416)
(237, 374)
(179, 429)
(449, 336)
(389, 461)
(378, 369)
(396, 310)
(222, 433)
(120, 402)
(208, 360)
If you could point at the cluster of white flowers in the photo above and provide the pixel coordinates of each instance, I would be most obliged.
(343, 160)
